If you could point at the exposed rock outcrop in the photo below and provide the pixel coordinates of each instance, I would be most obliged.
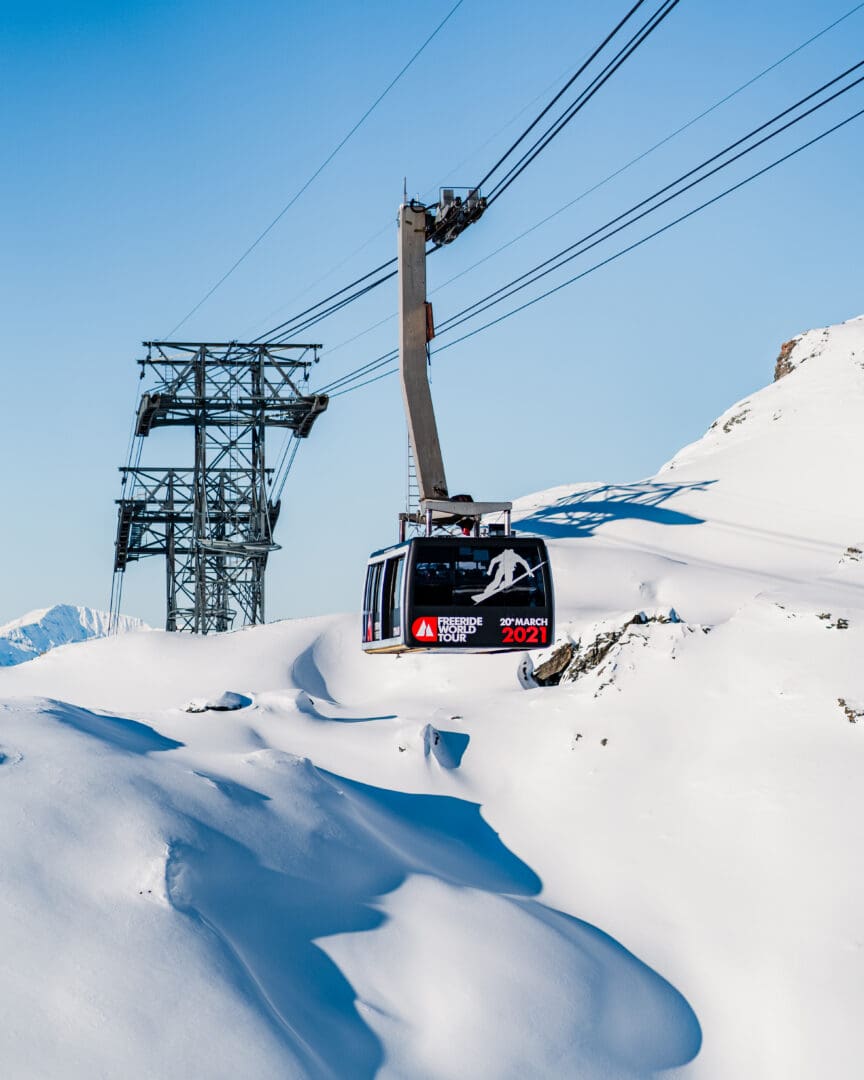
(567, 661)
(550, 671)
(784, 363)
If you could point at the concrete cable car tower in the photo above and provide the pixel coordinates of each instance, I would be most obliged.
(418, 224)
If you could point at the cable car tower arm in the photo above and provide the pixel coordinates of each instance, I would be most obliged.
(417, 225)
(441, 592)
(413, 338)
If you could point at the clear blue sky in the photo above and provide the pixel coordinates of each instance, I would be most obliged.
(147, 144)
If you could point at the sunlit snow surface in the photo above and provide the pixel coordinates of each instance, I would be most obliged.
(415, 868)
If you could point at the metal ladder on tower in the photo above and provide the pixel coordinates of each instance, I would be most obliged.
(412, 488)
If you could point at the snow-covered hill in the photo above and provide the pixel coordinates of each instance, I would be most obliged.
(418, 867)
(38, 631)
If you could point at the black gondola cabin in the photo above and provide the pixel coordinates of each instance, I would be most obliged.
(474, 594)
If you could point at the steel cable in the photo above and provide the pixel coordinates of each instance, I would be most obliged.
(584, 97)
(344, 384)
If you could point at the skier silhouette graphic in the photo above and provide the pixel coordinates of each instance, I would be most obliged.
(503, 566)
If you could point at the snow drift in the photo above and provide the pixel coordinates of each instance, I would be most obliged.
(417, 867)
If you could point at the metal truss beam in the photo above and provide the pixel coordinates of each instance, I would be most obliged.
(213, 521)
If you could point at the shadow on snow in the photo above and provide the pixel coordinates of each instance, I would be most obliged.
(115, 731)
(267, 919)
(307, 705)
(583, 512)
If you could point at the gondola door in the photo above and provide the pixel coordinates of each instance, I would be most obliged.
(383, 602)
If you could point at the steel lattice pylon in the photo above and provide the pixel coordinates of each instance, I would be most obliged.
(213, 521)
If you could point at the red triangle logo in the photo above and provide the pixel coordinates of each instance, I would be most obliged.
(425, 628)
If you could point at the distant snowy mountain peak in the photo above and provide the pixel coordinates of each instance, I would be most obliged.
(38, 631)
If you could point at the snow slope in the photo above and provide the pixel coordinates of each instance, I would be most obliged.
(414, 867)
(38, 631)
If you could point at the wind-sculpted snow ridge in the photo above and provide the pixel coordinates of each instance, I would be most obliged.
(245, 890)
(423, 867)
(35, 633)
